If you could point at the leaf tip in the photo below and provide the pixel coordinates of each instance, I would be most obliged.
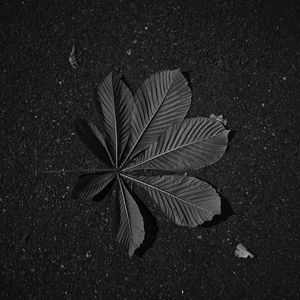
(135, 245)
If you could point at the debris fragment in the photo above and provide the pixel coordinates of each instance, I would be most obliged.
(219, 119)
(26, 236)
(242, 252)
(129, 52)
(72, 59)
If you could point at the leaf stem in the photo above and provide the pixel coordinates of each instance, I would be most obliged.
(131, 167)
(75, 171)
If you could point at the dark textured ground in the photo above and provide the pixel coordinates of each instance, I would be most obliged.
(243, 61)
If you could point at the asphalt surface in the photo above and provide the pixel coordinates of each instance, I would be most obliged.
(242, 58)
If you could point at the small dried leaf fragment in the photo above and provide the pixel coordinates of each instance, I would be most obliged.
(72, 59)
(219, 119)
(242, 252)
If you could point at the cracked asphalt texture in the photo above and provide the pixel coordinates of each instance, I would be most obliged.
(242, 58)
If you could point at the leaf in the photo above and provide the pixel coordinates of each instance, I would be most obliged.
(147, 131)
(186, 200)
(131, 225)
(88, 186)
(115, 100)
(163, 100)
(192, 144)
(93, 139)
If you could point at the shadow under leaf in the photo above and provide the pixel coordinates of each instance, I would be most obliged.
(150, 227)
(226, 212)
(231, 135)
(107, 191)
